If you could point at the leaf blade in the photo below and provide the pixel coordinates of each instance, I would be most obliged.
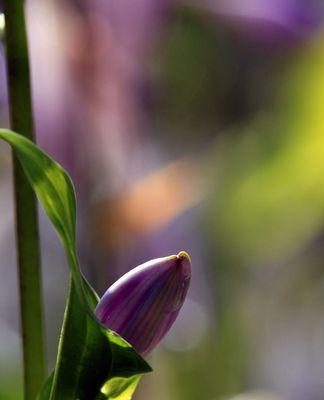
(86, 348)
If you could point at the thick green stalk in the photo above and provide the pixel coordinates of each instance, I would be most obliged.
(21, 120)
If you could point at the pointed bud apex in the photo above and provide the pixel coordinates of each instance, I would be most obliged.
(143, 304)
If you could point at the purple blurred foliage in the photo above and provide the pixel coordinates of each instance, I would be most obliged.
(96, 54)
(93, 103)
(135, 25)
(144, 303)
(268, 21)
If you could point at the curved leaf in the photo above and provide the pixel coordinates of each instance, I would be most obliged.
(88, 353)
(121, 388)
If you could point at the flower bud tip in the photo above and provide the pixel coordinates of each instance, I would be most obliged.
(185, 255)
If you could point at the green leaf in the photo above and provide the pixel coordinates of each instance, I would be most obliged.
(120, 388)
(46, 389)
(88, 353)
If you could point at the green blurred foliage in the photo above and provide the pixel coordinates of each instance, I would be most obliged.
(270, 202)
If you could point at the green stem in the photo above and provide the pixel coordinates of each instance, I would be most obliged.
(21, 119)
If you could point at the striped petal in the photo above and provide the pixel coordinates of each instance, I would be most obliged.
(143, 304)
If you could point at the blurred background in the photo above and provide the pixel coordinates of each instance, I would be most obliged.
(192, 125)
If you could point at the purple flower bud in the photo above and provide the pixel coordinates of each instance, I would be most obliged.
(143, 304)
